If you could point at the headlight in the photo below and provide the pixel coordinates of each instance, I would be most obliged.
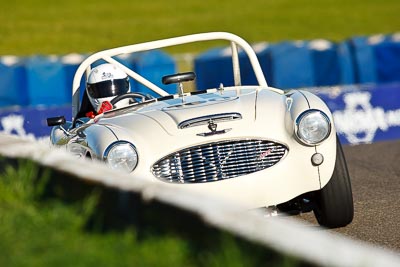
(121, 155)
(312, 127)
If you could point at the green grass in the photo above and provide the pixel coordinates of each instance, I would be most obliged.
(66, 26)
(36, 230)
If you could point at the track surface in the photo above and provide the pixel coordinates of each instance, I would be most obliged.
(375, 176)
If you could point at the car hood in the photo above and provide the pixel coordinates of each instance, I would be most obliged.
(169, 114)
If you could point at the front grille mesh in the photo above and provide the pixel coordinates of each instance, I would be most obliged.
(218, 161)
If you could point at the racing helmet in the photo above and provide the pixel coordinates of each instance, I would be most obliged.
(105, 82)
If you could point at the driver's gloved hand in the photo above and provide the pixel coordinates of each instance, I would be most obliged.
(105, 106)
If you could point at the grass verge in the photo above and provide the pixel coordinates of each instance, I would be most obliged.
(41, 230)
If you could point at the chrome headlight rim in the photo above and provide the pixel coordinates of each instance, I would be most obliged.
(115, 145)
(305, 114)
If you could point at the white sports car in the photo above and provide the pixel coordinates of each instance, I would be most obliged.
(261, 145)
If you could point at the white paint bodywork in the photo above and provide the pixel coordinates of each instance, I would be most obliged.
(152, 127)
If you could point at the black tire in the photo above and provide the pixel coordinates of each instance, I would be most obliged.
(334, 203)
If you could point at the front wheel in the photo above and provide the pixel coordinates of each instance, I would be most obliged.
(334, 203)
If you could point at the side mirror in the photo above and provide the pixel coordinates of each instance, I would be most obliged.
(179, 78)
(54, 121)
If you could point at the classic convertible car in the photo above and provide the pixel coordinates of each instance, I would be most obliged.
(262, 146)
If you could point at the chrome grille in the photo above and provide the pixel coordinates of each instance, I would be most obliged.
(218, 161)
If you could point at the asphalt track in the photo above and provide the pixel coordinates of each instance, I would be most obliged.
(375, 176)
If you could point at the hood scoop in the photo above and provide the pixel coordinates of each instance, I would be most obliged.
(204, 120)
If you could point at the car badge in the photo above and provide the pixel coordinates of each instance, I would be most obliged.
(265, 154)
(212, 126)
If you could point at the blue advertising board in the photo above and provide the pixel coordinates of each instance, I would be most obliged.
(30, 122)
(364, 113)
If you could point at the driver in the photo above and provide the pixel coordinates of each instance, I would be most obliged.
(105, 82)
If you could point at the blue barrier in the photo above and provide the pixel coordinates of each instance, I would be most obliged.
(292, 65)
(152, 65)
(387, 54)
(285, 65)
(46, 81)
(325, 63)
(359, 60)
(363, 60)
(210, 70)
(346, 68)
(247, 74)
(376, 58)
(215, 67)
(71, 63)
(13, 82)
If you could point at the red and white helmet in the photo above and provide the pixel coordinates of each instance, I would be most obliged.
(105, 82)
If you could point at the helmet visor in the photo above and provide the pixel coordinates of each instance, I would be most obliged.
(108, 88)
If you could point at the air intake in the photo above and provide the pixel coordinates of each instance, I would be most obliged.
(218, 161)
(216, 118)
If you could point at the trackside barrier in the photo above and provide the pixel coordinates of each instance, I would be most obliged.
(215, 67)
(292, 65)
(285, 65)
(138, 197)
(46, 81)
(376, 58)
(153, 65)
(299, 64)
(13, 87)
(331, 63)
(42, 80)
(71, 63)
(364, 113)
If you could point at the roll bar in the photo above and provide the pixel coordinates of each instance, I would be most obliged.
(107, 55)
